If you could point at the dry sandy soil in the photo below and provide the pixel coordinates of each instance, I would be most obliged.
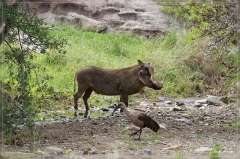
(185, 130)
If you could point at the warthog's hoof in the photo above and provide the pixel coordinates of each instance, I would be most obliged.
(76, 107)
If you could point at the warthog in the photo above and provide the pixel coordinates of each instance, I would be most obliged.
(123, 82)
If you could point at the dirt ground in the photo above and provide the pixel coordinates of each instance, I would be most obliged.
(182, 132)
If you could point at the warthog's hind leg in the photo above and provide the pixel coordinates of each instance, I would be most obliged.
(78, 95)
(86, 96)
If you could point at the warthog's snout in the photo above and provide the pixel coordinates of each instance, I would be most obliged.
(156, 84)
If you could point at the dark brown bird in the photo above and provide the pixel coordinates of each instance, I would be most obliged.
(139, 119)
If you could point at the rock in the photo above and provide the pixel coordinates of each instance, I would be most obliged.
(185, 120)
(83, 22)
(163, 99)
(176, 108)
(143, 18)
(40, 152)
(146, 152)
(186, 116)
(163, 126)
(93, 151)
(202, 108)
(54, 150)
(180, 103)
(201, 101)
(213, 100)
(168, 102)
(196, 104)
(175, 147)
(105, 109)
(202, 149)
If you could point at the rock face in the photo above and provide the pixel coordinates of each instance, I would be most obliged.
(140, 17)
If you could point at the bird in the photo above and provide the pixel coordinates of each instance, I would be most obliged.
(140, 119)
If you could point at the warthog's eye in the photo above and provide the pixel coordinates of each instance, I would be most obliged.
(147, 71)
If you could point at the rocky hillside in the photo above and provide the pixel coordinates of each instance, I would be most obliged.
(112, 16)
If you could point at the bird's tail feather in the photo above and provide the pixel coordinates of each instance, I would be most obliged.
(154, 126)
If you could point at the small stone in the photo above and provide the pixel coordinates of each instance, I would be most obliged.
(40, 152)
(197, 104)
(180, 103)
(168, 102)
(176, 108)
(163, 126)
(186, 116)
(202, 101)
(52, 149)
(201, 108)
(92, 151)
(185, 120)
(146, 152)
(105, 109)
(213, 100)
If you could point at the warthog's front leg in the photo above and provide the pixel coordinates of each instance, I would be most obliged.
(124, 99)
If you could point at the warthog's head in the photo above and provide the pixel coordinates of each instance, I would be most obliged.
(146, 76)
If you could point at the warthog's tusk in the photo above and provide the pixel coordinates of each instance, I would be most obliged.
(151, 78)
(154, 82)
(142, 80)
(139, 74)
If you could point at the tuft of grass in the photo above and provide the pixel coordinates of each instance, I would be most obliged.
(214, 154)
(130, 142)
(170, 41)
(238, 125)
(171, 134)
(141, 144)
(156, 138)
(86, 150)
(123, 128)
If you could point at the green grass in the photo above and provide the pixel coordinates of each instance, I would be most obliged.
(114, 51)
(176, 60)
(214, 154)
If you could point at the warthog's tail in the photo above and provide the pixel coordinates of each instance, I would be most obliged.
(74, 89)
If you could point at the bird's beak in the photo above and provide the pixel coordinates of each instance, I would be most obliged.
(115, 109)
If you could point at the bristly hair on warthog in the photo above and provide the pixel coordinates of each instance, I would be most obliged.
(123, 82)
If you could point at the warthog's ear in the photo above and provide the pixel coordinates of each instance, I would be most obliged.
(140, 63)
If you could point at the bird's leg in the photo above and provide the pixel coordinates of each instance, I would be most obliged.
(135, 133)
(140, 134)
